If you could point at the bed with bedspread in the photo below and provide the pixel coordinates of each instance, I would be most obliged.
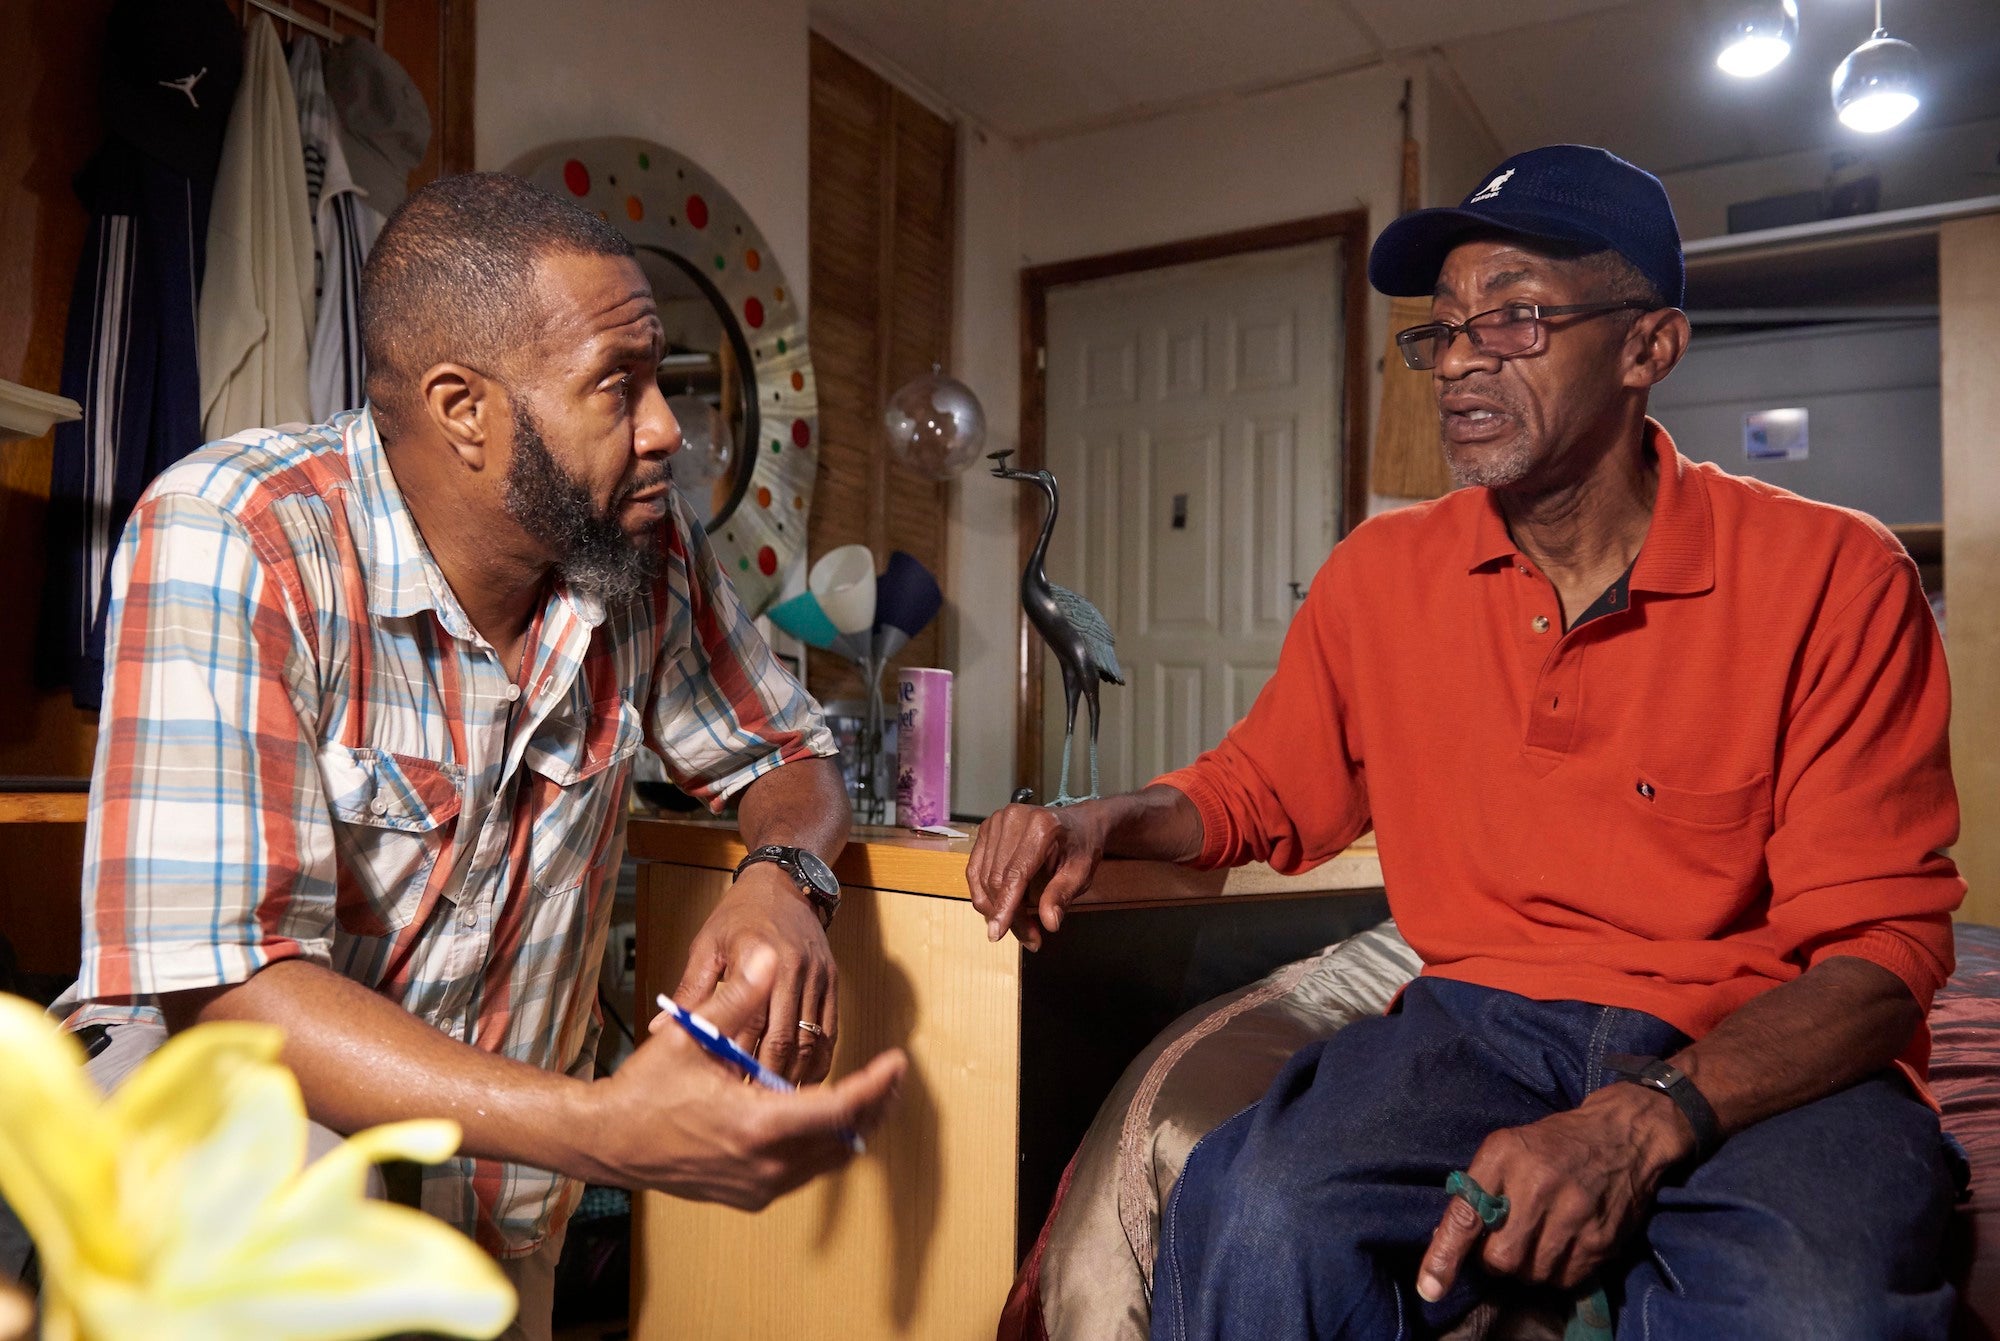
(1088, 1277)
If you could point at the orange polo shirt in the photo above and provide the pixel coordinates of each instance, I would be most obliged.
(1672, 807)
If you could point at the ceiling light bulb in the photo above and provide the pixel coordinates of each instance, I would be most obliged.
(1759, 38)
(1875, 88)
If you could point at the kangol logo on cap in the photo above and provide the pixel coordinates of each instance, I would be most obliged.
(1492, 188)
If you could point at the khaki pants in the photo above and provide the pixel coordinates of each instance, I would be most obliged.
(533, 1276)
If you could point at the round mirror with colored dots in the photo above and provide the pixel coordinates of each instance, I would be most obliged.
(737, 372)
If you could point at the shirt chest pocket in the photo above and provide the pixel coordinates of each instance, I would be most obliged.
(393, 818)
(1697, 850)
(578, 764)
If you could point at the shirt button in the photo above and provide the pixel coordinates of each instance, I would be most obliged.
(1521, 568)
(513, 692)
(468, 919)
(1646, 790)
(378, 806)
(1540, 623)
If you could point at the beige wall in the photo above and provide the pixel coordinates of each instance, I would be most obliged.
(985, 562)
(1333, 144)
(727, 85)
(1459, 148)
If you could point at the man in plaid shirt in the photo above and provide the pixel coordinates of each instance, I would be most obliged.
(373, 696)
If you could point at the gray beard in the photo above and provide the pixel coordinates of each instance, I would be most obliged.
(593, 553)
(1493, 473)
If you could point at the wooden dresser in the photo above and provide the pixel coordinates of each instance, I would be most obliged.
(919, 1238)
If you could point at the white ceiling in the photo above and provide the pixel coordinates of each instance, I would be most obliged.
(1637, 76)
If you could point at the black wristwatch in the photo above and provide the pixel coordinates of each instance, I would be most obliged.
(1671, 1081)
(815, 878)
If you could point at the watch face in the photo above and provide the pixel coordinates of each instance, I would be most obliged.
(818, 873)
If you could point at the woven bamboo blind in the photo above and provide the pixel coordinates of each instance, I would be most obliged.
(881, 229)
(1409, 455)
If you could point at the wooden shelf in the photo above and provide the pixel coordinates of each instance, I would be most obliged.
(44, 807)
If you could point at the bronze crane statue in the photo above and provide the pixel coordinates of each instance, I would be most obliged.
(1070, 625)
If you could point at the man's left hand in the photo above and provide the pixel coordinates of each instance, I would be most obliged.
(766, 907)
(1576, 1183)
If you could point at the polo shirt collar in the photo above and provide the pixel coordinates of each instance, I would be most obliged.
(1678, 556)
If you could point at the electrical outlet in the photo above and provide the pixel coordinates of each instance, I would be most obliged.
(621, 969)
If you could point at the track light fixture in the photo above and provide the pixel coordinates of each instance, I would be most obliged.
(1759, 37)
(1875, 88)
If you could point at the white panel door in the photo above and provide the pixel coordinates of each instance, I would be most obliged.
(1192, 418)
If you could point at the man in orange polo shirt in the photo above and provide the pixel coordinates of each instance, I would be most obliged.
(1656, 758)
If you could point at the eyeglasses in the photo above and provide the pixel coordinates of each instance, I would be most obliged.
(1505, 332)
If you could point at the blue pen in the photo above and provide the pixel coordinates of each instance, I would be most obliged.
(723, 1048)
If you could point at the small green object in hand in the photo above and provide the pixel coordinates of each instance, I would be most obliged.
(1592, 1319)
(1491, 1210)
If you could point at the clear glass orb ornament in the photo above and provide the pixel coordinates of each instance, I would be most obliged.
(707, 448)
(935, 425)
(1875, 88)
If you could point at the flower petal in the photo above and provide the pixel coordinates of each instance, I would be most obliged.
(209, 1126)
(341, 1173)
(220, 1191)
(370, 1270)
(56, 1146)
(173, 1097)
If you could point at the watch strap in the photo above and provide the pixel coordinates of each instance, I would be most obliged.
(1657, 1074)
(787, 860)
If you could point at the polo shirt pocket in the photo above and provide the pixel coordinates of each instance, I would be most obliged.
(1729, 807)
(582, 767)
(393, 818)
(1701, 847)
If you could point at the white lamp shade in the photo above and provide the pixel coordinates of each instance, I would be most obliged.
(1760, 35)
(843, 581)
(1875, 88)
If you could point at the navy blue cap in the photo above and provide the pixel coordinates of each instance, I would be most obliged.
(1569, 193)
(170, 73)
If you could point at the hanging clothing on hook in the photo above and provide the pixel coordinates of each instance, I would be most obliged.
(384, 125)
(334, 374)
(170, 75)
(257, 303)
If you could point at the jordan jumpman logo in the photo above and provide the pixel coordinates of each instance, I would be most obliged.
(186, 85)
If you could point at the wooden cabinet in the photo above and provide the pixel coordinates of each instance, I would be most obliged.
(918, 1238)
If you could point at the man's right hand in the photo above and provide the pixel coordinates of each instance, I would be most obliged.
(673, 1119)
(1020, 842)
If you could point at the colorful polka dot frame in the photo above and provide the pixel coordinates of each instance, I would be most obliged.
(662, 200)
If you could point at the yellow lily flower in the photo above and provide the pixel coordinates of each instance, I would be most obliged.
(180, 1209)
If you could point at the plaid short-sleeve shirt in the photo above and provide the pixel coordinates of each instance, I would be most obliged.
(307, 751)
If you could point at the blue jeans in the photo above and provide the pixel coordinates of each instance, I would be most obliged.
(1306, 1214)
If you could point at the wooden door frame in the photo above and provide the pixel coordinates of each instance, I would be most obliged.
(1350, 227)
